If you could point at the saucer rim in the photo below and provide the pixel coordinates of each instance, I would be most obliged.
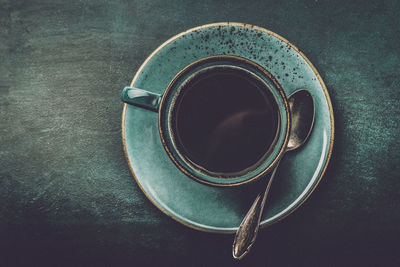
(238, 24)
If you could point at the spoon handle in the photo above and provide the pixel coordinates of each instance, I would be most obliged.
(247, 232)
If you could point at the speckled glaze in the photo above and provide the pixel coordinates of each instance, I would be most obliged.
(221, 209)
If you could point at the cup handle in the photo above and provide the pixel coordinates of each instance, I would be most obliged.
(141, 98)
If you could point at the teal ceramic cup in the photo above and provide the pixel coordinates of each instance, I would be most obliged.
(168, 105)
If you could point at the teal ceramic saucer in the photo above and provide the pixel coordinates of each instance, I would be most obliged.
(222, 209)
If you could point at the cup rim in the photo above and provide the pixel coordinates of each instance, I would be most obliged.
(224, 181)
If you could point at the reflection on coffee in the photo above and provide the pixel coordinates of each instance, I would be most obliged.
(226, 120)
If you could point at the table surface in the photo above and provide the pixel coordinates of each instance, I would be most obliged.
(67, 196)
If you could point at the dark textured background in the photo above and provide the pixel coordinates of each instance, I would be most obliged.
(66, 194)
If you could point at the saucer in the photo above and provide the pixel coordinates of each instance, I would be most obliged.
(215, 209)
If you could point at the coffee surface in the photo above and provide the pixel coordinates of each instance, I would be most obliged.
(225, 120)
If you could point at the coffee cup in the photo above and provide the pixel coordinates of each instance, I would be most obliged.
(223, 120)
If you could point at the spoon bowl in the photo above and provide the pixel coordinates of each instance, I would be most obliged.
(301, 105)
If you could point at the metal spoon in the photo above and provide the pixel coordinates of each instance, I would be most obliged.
(301, 106)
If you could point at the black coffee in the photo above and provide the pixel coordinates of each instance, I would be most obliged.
(226, 120)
